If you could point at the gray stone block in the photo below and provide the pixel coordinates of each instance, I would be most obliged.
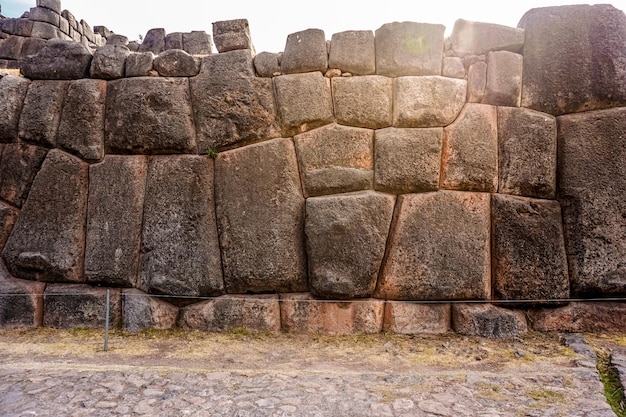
(197, 43)
(476, 82)
(353, 51)
(58, 60)
(453, 68)
(154, 41)
(13, 89)
(45, 31)
(477, 38)
(11, 47)
(54, 5)
(174, 41)
(139, 64)
(267, 64)
(305, 51)
(141, 311)
(176, 63)
(230, 35)
(365, 101)
(21, 304)
(41, 113)
(109, 62)
(487, 320)
(41, 14)
(68, 306)
(415, 318)
(504, 79)
(18, 167)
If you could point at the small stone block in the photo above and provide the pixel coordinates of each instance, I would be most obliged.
(353, 51)
(415, 318)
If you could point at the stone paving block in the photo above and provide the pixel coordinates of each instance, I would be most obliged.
(476, 82)
(504, 79)
(260, 212)
(139, 64)
(415, 318)
(197, 42)
(407, 160)
(365, 101)
(141, 311)
(259, 313)
(427, 101)
(68, 306)
(114, 217)
(346, 236)
(526, 152)
(41, 113)
(335, 159)
(180, 252)
(469, 159)
(593, 317)
(305, 51)
(19, 164)
(81, 128)
(21, 303)
(301, 313)
(353, 51)
(176, 63)
(409, 48)
(230, 35)
(109, 62)
(13, 89)
(48, 239)
(487, 320)
(438, 248)
(476, 38)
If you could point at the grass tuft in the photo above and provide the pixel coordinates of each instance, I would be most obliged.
(613, 389)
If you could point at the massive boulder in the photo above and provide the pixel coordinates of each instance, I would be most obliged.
(365, 101)
(13, 90)
(19, 164)
(176, 63)
(58, 60)
(109, 62)
(305, 51)
(230, 35)
(353, 51)
(39, 121)
(141, 311)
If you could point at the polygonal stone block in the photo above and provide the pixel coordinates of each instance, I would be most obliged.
(173, 41)
(41, 113)
(13, 89)
(266, 64)
(353, 51)
(45, 31)
(305, 51)
(477, 38)
(197, 42)
(415, 318)
(21, 303)
(11, 47)
(42, 14)
(109, 62)
(141, 311)
(476, 82)
(69, 306)
(504, 79)
(139, 64)
(453, 67)
(487, 320)
(176, 63)
(18, 167)
(365, 101)
(154, 41)
(54, 5)
(230, 35)
(592, 317)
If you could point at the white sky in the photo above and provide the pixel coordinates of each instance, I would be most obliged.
(271, 21)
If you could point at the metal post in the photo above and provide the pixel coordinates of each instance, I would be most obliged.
(106, 322)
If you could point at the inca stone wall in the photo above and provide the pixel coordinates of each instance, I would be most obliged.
(388, 180)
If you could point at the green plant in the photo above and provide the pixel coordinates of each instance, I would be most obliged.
(613, 389)
(211, 152)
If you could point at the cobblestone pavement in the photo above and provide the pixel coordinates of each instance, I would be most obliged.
(278, 379)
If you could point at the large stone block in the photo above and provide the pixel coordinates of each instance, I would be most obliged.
(407, 160)
(21, 303)
(438, 248)
(504, 79)
(232, 107)
(593, 317)
(18, 167)
(266, 64)
(139, 64)
(230, 35)
(11, 47)
(8, 216)
(301, 313)
(409, 48)
(109, 62)
(197, 42)
(476, 82)
(172, 41)
(260, 212)
(305, 51)
(487, 320)
(41, 113)
(365, 101)
(81, 128)
(54, 5)
(469, 159)
(13, 89)
(45, 30)
(353, 51)
(335, 159)
(257, 313)
(48, 239)
(427, 101)
(141, 311)
(32, 46)
(176, 63)
(304, 102)
(527, 249)
(114, 217)
(346, 236)
(453, 67)
(589, 70)
(58, 60)
(415, 318)
(477, 38)
(149, 115)
(154, 41)
(180, 249)
(592, 186)
(41, 14)
(69, 306)
(526, 152)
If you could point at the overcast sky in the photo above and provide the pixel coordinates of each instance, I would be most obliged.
(271, 21)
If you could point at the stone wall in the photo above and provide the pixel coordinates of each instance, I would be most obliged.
(393, 180)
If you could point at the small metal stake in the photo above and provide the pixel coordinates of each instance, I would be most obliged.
(106, 322)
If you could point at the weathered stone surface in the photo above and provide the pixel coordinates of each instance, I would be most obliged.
(117, 40)
(409, 48)
(8, 216)
(102, 31)
(109, 62)
(114, 217)
(41, 112)
(11, 47)
(596, 317)
(266, 64)
(260, 212)
(353, 51)
(592, 37)
(13, 90)
(19, 27)
(407, 160)
(21, 303)
(476, 38)
(427, 101)
(476, 82)
(18, 167)
(257, 313)
(81, 128)
(154, 41)
(31, 46)
(54, 5)
(346, 236)
(438, 248)
(58, 60)
(176, 63)
(149, 115)
(304, 102)
(69, 306)
(139, 64)
(174, 41)
(134, 46)
(230, 35)
(197, 42)
(301, 313)
(71, 19)
(504, 79)
(87, 31)
(305, 51)
(231, 106)
(141, 311)
(469, 159)
(592, 185)
(526, 152)
(453, 67)
(335, 159)
(45, 31)
(527, 249)
(487, 320)
(414, 318)
(180, 249)
(48, 239)
(365, 101)
(42, 14)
